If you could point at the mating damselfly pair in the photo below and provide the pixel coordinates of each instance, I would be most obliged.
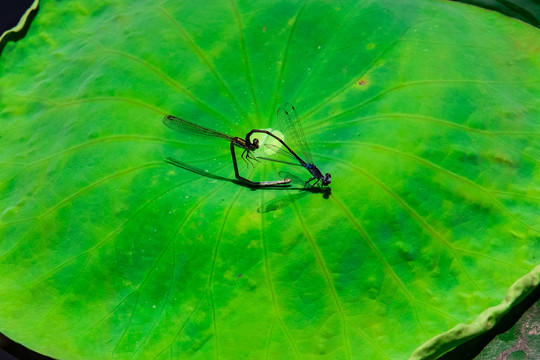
(290, 126)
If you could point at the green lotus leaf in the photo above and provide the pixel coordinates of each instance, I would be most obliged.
(424, 112)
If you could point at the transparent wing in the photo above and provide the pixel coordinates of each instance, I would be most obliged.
(187, 128)
(279, 161)
(279, 150)
(294, 134)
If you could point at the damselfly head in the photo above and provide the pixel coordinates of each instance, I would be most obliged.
(256, 143)
(326, 180)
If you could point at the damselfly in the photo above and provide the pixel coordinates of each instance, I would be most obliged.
(294, 134)
(187, 128)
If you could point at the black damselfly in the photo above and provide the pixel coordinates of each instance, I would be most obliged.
(187, 128)
(294, 134)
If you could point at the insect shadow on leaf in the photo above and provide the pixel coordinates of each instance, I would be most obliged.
(286, 200)
(205, 173)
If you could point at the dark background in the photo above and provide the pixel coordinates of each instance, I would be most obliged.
(10, 14)
(11, 11)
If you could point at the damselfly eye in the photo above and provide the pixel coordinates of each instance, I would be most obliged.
(327, 179)
(256, 143)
